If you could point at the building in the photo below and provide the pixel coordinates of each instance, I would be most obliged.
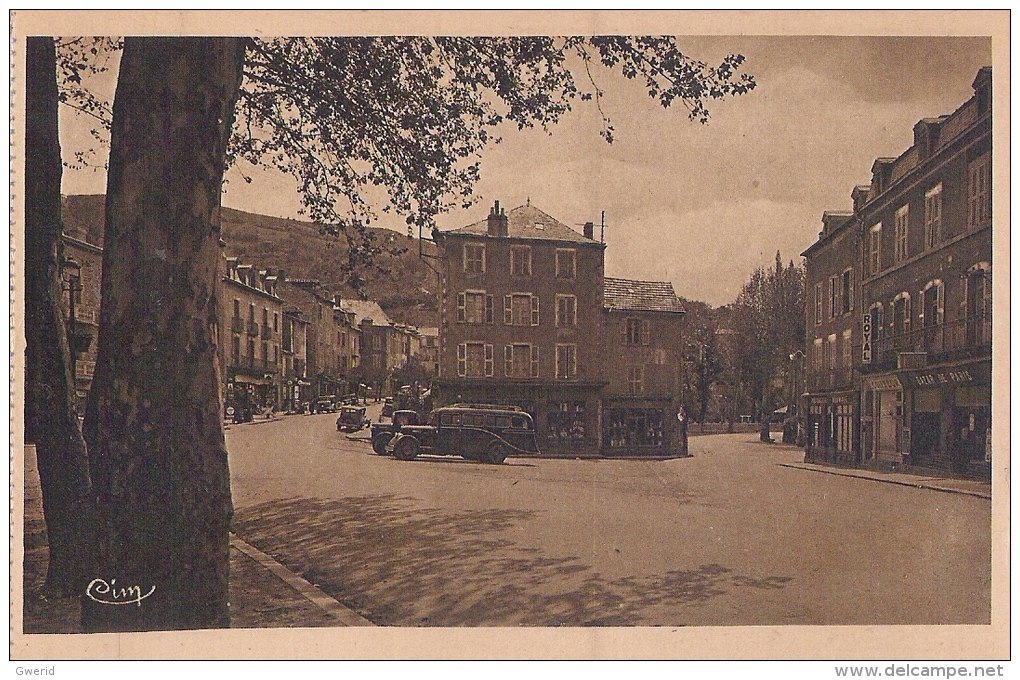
(297, 389)
(387, 345)
(520, 322)
(831, 402)
(430, 349)
(332, 340)
(641, 346)
(251, 312)
(81, 278)
(926, 293)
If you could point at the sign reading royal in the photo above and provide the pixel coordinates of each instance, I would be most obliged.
(866, 344)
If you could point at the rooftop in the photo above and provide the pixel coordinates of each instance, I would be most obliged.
(529, 222)
(644, 296)
(366, 309)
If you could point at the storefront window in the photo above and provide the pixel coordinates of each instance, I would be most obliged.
(567, 421)
(635, 427)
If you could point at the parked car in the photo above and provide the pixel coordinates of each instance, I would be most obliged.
(387, 408)
(352, 419)
(326, 404)
(382, 433)
(483, 432)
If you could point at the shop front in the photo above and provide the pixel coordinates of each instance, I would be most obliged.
(249, 395)
(951, 417)
(884, 438)
(641, 426)
(833, 432)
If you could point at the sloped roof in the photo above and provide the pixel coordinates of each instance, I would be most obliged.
(641, 296)
(432, 331)
(366, 309)
(527, 221)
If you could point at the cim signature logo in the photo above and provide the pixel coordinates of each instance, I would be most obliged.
(108, 593)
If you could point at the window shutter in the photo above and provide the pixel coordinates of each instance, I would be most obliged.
(462, 359)
(488, 309)
(941, 304)
(646, 334)
(508, 360)
(850, 293)
(489, 369)
(534, 310)
(461, 307)
(534, 361)
(906, 315)
(508, 311)
(623, 332)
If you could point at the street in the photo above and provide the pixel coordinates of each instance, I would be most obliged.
(725, 537)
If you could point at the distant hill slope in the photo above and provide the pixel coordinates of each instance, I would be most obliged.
(407, 295)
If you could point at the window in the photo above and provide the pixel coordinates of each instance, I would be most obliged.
(566, 362)
(636, 332)
(474, 258)
(251, 352)
(848, 291)
(566, 311)
(518, 362)
(265, 316)
(237, 350)
(932, 304)
(819, 302)
(902, 224)
(847, 349)
(979, 305)
(875, 249)
(979, 191)
(265, 354)
(830, 350)
(251, 312)
(237, 308)
(635, 427)
(520, 260)
(834, 283)
(635, 379)
(817, 357)
(933, 216)
(520, 309)
(566, 263)
(474, 360)
(474, 307)
(376, 341)
(276, 355)
(566, 421)
(876, 322)
(901, 314)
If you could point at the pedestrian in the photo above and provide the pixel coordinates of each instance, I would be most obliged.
(682, 417)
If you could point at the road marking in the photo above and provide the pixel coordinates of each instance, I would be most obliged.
(310, 592)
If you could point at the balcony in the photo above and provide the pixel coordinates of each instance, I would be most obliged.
(831, 380)
(253, 328)
(967, 337)
(267, 331)
(237, 325)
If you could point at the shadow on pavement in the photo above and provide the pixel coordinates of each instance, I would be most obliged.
(404, 566)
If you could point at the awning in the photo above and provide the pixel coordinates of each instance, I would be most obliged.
(250, 380)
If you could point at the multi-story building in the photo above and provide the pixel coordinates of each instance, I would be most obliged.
(520, 322)
(386, 345)
(332, 344)
(926, 294)
(81, 274)
(251, 314)
(294, 346)
(430, 349)
(642, 333)
(832, 362)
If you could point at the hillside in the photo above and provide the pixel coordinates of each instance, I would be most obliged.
(407, 295)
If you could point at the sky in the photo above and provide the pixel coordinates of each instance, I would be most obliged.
(698, 205)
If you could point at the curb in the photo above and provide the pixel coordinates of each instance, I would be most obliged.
(932, 486)
(334, 609)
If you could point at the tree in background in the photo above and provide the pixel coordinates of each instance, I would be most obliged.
(768, 325)
(360, 122)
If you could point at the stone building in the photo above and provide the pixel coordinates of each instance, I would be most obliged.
(831, 401)
(250, 333)
(430, 349)
(927, 294)
(520, 322)
(81, 278)
(641, 346)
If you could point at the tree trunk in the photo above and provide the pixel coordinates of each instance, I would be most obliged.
(159, 460)
(50, 418)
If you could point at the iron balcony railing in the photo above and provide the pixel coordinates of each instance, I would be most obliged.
(253, 328)
(237, 324)
(973, 331)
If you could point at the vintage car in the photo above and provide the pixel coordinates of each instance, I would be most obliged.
(483, 432)
(387, 408)
(352, 419)
(382, 433)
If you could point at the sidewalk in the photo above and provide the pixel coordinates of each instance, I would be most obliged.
(969, 487)
(263, 593)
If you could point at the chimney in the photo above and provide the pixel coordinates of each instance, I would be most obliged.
(497, 221)
(281, 275)
(589, 231)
